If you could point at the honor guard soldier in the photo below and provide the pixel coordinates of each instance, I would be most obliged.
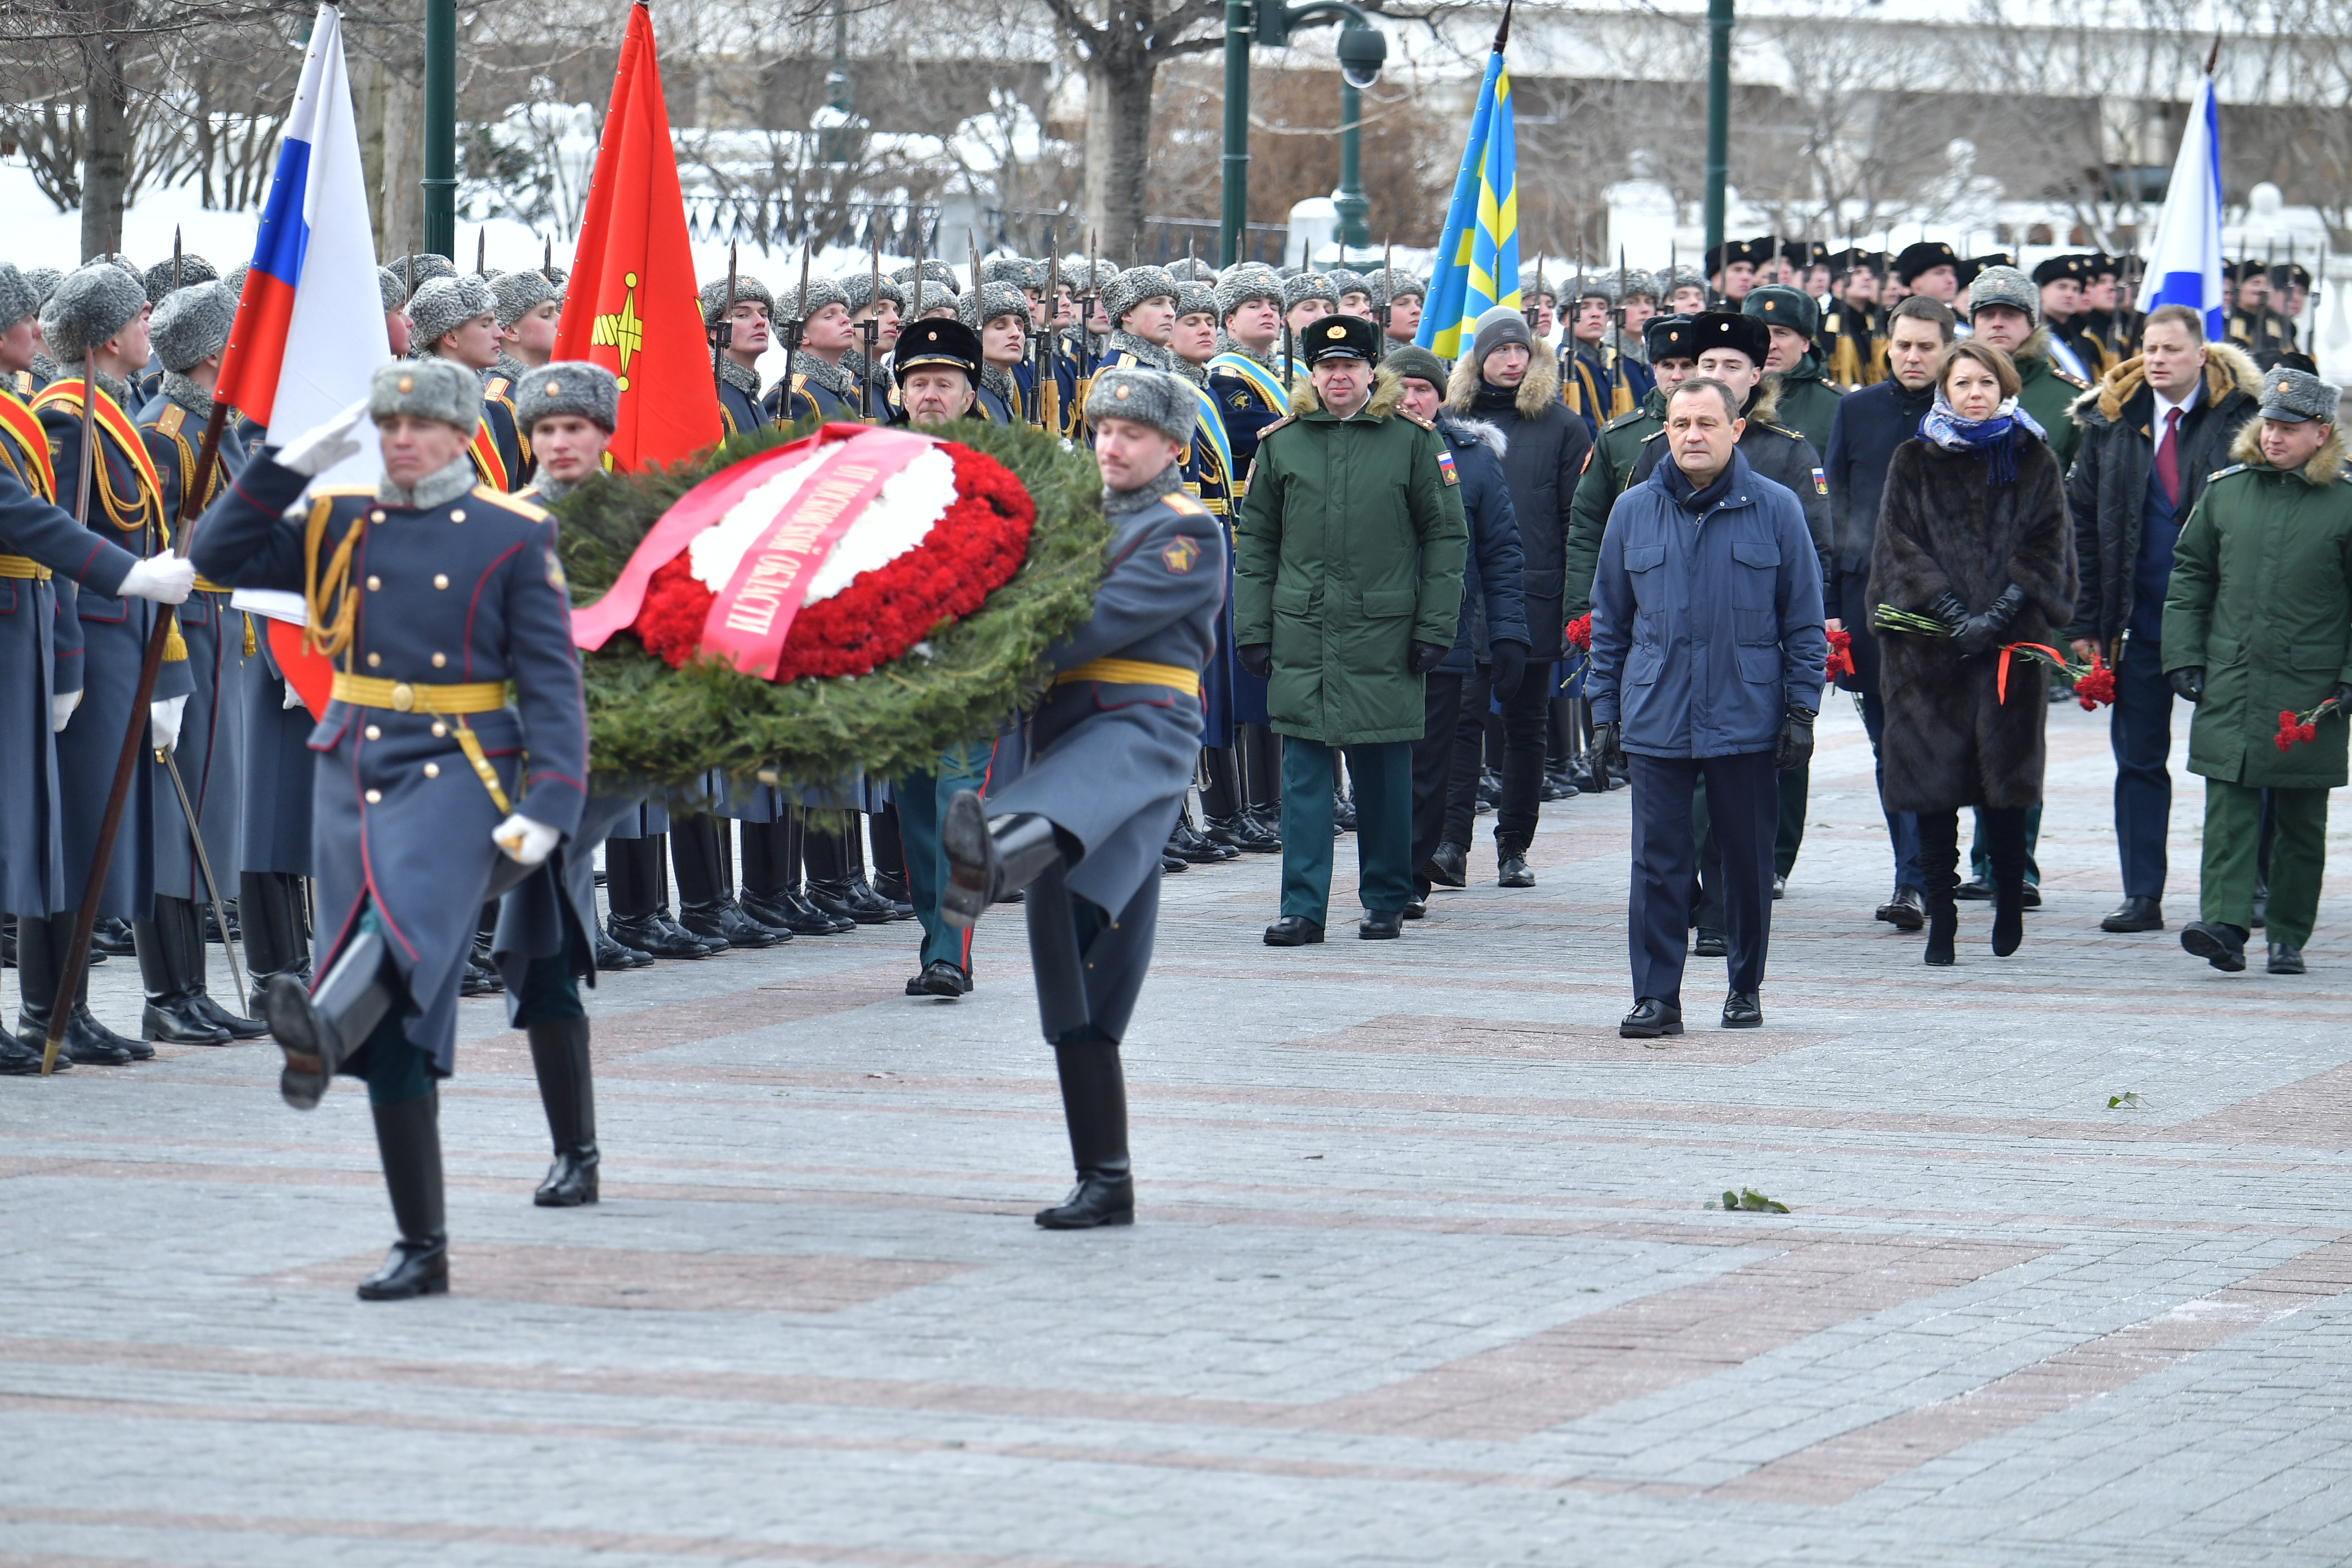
(528, 309)
(1244, 375)
(1354, 289)
(2059, 279)
(1929, 266)
(1140, 304)
(546, 940)
(1111, 752)
(1403, 295)
(1806, 402)
(1731, 269)
(822, 387)
(741, 335)
(1672, 344)
(101, 310)
(1209, 477)
(397, 328)
(190, 329)
(1585, 383)
(20, 338)
(999, 314)
(41, 685)
(1626, 350)
(884, 310)
(1853, 350)
(1539, 300)
(44, 282)
(436, 598)
(182, 272)
(455, 319)
(1305, 299)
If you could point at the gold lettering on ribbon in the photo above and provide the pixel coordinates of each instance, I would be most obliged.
(781, 558)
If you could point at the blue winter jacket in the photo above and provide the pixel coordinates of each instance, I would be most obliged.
(1707, 629)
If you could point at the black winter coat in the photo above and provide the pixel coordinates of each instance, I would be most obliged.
(1788, 459)
(1547, 446)
(2108, 484)
(1494, 597)
(1950, 741)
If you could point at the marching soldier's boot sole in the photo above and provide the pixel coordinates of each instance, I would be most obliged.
(988, 859)
(318, 1030)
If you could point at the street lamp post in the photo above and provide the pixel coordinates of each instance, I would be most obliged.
(440, 181)
(1362, 50)
(1233, 214)
(1719, 115)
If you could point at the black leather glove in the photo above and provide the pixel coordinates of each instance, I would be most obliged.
(2342, 698)
(2187, 682)
(1796, 747)
(1510, 665)
(1607, 751)
(1257, 657)
(1980, 634)
(1427, 655)
(1949, 609)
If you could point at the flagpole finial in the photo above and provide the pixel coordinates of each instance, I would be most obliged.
(2213, 56)
(1503, 32)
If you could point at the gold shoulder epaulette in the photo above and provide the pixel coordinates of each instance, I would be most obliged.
(171, 419)
(1777, 429)
(1186, 502)
(1424, 424)
(1654, 435)
(2225, 473)
(1829, 322)
(24, 384)
(512, 502)
(2070, 378)
(1630, 416)
(495, 387)
(1277, 424)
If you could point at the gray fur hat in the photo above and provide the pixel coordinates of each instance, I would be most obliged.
(569, 387)
(715, 303)
(1529, 277)
(1240, 285)
(1632, 283)
(18, 296)
(388, 285)
(2296, 396)
(1686, 276)
(2006, 286)
(1347, 280)
(857, 290)
(934, 270)
(1076, 271)
(422, 269)
(788, 306)
(45, 280)
(1195, 300)
(1019, 272)
(1593, 286)
(235, 278)
(90, 305)
(1152, 397)
(928, 295)
(192, 324)
(1389, 287)
(428, 389)
(443, 305)
(1309, 286)
(992, 302)
(519, 293)
(194, 269)
(1193, 269)
(1133, 287)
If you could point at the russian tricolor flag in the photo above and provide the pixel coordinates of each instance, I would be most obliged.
(309, 325)
(2185, 263)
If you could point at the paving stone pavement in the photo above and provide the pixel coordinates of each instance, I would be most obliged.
(1423, 1272)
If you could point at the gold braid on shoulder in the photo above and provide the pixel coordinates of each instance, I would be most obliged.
(326, 596)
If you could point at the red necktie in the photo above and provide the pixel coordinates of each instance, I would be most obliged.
(2168, 457)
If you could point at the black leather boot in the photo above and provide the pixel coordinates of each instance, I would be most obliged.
(318, 1030)
(1094, 1104)
(408, 1136)
(87, 1041)
(989, 858)
(182, 927)
(2005, 847)
(559, 1054)
(270, 912)
(172, 1015)
(38, 989)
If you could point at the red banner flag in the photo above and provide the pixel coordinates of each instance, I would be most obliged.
(630, 304)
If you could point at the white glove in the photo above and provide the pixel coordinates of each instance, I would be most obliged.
(525, 842)
(61, 708)
(291, 701)
(317, 450)
(163, 722)
(166, 579)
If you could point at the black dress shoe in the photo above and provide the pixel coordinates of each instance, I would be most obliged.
(1171, 863)
(1741, 1010)
(1201, 851)
(655, 937)
(1448, 865)
(2136, 914)
(1416, 909)
(789, 912)
(1907, 910)
(114, 936)
(239, 1028)
(410, 1268)
(2222, 946)
(1974, 887)
(1380, 925)
(18, 1059)
(1780, 887)
(938, 978)
(1514, 873)
(2031, 899)
(571, 1181)
(1650, 1018)
(1243, 832)
(722, 921)
(86, 1042)
(1711, 943)
(1095, 1201)
(1343, 814)
(178, 1021)
(612, 955)
(893, 886)
(2285, 958)
(1293, 930)
(889, 909)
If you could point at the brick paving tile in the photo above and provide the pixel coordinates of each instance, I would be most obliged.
(1423, 1272)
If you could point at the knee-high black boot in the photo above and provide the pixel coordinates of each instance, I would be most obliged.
(172, 971)
(559, 1054)
(1094, 1104)
(1939, 858)
(86, 1040)
(408, 1136)
(36, 984)
(320, 1030)
(270, 916)
(2005, 847)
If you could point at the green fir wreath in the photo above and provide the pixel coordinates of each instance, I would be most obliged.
(663, 730)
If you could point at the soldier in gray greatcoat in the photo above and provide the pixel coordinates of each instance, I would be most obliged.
(444, 608)
(1110, 755)
(190, 329)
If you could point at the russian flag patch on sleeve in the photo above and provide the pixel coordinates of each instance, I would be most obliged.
(1820, 483)
(1446, 465)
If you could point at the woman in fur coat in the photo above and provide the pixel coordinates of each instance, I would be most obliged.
(1973, 534)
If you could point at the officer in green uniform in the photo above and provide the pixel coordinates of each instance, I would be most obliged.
(1673, 346)
(1808, 400)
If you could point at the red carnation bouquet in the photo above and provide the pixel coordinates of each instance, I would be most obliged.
(2094, 683)
(1578, 635)
(829, 557)
(1841, 660)
(2297, 727)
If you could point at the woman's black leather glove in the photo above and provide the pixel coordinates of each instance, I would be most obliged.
(1980, 634)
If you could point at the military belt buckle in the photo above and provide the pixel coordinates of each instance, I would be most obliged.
(404, 697)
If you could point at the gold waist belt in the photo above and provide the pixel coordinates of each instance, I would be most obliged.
(418, 697)
(1133, 672)
(22, 567)
(205, 586)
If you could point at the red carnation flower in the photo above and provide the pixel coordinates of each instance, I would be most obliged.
(1840, 661)
(1579, 632)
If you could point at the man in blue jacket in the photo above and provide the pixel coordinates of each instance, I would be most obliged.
(1702, 547)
